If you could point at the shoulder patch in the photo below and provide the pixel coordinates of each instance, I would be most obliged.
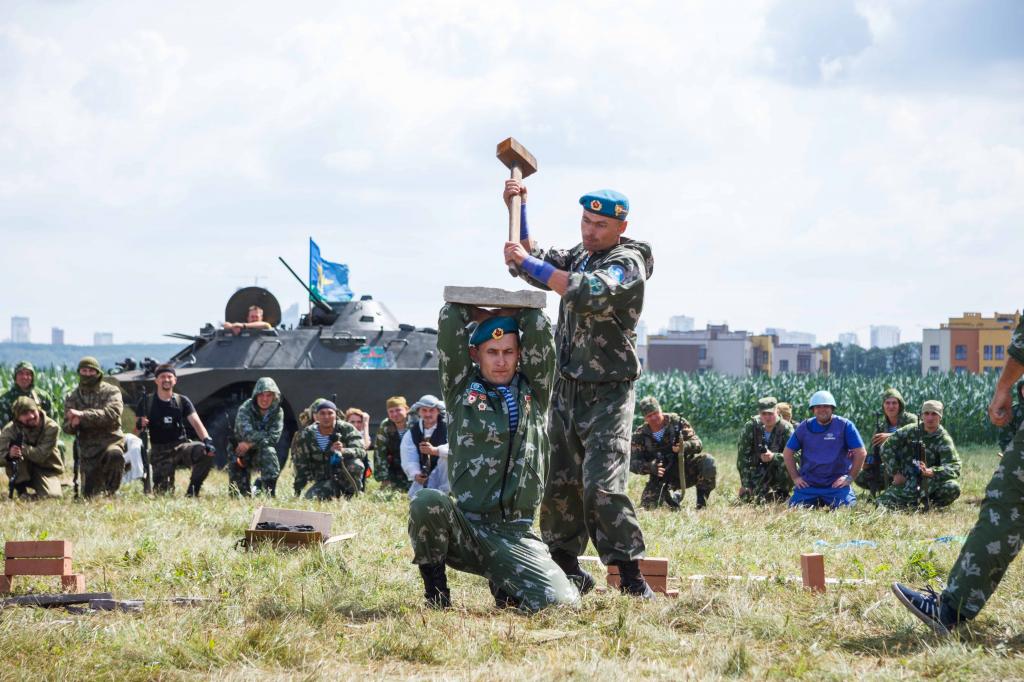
(617, 273)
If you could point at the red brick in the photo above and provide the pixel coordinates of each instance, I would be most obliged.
(37, 549)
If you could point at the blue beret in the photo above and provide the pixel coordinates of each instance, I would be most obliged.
(493, 328)
(606, 202)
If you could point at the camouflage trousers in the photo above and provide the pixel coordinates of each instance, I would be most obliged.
(264, 459)
(345, 483)
(509, 553)
(165, 458)
(102, 471)
(909, 498)
(698, 471)
(995, 540)
(388, 471)
(772, 485)
(43, 482)
(869, 478)
(590, 427)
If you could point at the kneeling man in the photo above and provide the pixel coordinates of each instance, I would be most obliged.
(29, 446)
(832, 456)
(922, 463)
(497, 387)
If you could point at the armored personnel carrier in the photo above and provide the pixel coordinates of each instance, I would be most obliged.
(354, 352)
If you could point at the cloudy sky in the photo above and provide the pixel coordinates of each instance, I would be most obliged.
(817, 166)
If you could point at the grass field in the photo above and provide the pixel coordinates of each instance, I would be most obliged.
(354, 610)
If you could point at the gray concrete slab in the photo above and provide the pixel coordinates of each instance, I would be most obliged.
(490, 297)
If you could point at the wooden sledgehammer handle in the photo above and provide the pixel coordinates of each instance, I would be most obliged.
(515, 210)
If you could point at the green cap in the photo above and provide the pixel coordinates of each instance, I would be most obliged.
(649, 405)
(22, 405)
(767, 404)
(90, 361)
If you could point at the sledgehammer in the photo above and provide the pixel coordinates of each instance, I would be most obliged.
(522, 164)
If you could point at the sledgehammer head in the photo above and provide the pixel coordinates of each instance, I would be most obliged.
(513, 154)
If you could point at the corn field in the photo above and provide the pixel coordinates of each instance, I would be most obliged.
(717, 404)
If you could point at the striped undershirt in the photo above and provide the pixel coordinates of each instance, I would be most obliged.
(513, 407)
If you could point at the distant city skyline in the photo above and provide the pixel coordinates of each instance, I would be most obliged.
(818, 166)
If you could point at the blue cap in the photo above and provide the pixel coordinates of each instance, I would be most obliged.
(493, 328)
(606, 202)
(325, 404)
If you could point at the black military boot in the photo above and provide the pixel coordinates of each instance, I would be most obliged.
(570, 565)
(193, 489)
(502, 599)
(631, 581)
(435, 586)
(702, 498)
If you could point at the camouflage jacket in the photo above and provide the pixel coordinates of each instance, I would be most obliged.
(387, 457)
(7, 402)
(645, 448)
(598, 314)
(41, 398)
(903, 419)
(748, 460)
(313, 464)
(492, 470)
(263, 431)
(899, 452)
(100, 425)
(39, 447)
(1016, 347)
(1007, 433)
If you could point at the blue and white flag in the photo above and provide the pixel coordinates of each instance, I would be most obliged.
(328, 280)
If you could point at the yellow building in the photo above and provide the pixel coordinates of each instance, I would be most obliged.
(970, 343)
(762, 346)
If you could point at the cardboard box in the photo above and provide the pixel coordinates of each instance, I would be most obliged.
(320, 521)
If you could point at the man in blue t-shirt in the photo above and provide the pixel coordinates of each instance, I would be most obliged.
(832, 456)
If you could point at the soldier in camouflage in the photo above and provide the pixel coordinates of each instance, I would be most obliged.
(601, 282)
(763, 476)
(295, 456)
(497, 385)
(92, 412)
(893, 416)
(387, 452)
(657, 447)
(329, 453)
(37, 457)
(1007, 432)
(995, 540)
(24, 385)
(921, 464)
(258, 426)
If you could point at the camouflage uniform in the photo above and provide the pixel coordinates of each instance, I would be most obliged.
(591, 417)
(39, 396)
(313, 464)
(763, 482)
(497, 477)
(387, 456)
(296, 457)
(698, 467)
(263, 431)
(100, 440)
(875, 480)
(40, 466)
(898, 454)
(1007, 433)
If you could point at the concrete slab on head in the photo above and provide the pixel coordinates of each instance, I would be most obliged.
(490, 297)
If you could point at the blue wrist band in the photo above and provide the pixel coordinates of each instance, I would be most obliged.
(538, 269)
(524, 229)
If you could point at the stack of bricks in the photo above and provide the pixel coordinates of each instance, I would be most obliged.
(44, 557)
(655, 572)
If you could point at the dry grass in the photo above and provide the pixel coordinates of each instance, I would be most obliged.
(353, 610)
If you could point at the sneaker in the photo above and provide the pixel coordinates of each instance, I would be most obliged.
(925, 606)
